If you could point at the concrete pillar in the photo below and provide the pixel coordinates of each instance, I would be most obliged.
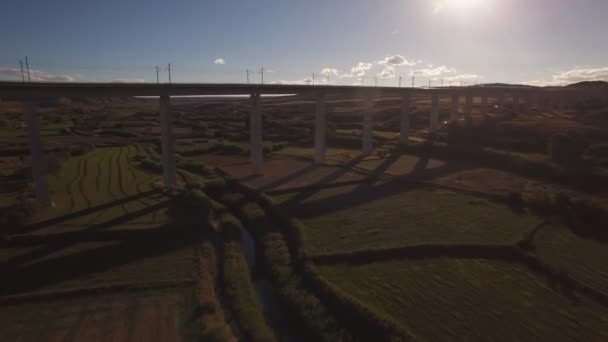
(405, 119)
(167, 142)
(39, 164)
(368, 126)
(434, 124)
(320, 129)
(454, 109)
(484, 105)
(468, 108)
(255, 135)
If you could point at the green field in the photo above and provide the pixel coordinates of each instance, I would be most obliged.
(470, 299)
(582, 258)
(102, 185)
(392, 214)
(152, 316)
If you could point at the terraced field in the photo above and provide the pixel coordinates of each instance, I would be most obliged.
(441, 299)
(103, 185)
(153, 316)
(393, 214)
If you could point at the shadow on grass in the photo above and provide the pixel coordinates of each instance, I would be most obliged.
(132, 247)
(289, 178)
(85, 212)
(61, 244)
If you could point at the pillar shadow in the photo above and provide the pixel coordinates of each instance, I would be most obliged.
(332, 177)
(51, 248)
(288, 178)
(18, 278)
(85, 212)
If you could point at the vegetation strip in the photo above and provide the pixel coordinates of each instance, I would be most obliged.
(308, 315)
(237, 284)
(360, 320)
(95, 290)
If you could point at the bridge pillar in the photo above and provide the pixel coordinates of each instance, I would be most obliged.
(39, 163)
(405, 119)
(255, 135)
(167, 142)
(484, 105)
(468, 108)
(434, 124)
(320, 129)
(454, 109)
(367, 132)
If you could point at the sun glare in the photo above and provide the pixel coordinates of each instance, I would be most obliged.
(463, 4)
(458, 5)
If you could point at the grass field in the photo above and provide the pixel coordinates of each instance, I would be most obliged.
(100, 186)
(393, 214)
(470, 299)
(582, 258)
(152, 316)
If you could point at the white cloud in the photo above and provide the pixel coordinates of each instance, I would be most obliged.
(396, 60)
(358, 70)
(431, 72)
(387, 72)
(37, 76)
(575, 75)
(329, 71)
(219, 61)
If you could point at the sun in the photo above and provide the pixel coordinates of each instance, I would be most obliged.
(459, 5)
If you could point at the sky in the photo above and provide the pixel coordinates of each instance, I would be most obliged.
(539, 42)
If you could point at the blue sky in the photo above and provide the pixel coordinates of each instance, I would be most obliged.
(537, 41)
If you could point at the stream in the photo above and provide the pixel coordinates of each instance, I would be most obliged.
(275, 317)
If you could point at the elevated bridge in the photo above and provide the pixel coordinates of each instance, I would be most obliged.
(517, 96)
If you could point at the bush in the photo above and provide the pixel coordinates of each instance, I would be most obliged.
(191, 206)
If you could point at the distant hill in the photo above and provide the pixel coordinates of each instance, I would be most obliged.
(589, 84)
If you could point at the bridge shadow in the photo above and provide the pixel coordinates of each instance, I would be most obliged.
(289, 178)
(51, 248)
(330, 178)
(372, 188)
(131, 247)
(85, 212)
